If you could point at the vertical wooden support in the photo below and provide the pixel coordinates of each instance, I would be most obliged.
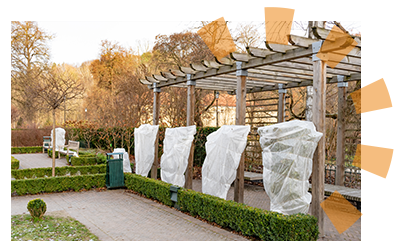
(281, 103)
(190, 121)
(319, 110)
(340, 148)
(240, 120)
(156, 117)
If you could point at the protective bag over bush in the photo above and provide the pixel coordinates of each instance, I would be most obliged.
(145, 138)
(288, 150)
(125, 162)
(174, 161)
(224, 149)
(60, 139)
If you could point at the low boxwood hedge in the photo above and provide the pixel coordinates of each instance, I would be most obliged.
(14, 163)
(150, 188)
(26, 150)
(59, 171)
(57, 184)
(250, 221)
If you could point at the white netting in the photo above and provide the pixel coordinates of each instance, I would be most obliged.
(288, 150)
(174, 161)
(224, 149)
(60, 139)
(145, 137)
(126, 162)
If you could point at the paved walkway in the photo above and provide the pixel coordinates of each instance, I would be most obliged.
(38, 161)
(119, 215)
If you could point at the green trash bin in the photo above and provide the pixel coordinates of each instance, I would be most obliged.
(114, 171)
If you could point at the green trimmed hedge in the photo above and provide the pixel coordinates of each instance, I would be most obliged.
(150, 188)
(14, 163)
(250, 221)
(82, 160)
(57, 184)
(26, 150)
(266, 225)
(59, 171)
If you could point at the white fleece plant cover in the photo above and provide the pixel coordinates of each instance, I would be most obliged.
(224, 149)
(126, 163)
(288, 150)
(145, 138)
(60, 138)
(177, 144)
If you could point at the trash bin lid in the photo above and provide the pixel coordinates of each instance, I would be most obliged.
(120, 154)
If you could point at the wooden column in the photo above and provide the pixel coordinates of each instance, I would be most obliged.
(281, 103)
(319, 110)
(190, 121)
(240, 120)
(340, 145)
(156, 117)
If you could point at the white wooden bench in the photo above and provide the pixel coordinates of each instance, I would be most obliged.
(74, 145)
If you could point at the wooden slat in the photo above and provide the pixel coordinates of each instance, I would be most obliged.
(159, 78)
(198, 67)
(281, 48)
(211, 64)
(242, 57)
(301, 41)
(168, 75)
(176, 72)
(225, 61)
(144, 81)
(258, 52)
(187, 70)
(151, 79)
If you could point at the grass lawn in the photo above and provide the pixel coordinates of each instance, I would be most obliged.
(49, 229)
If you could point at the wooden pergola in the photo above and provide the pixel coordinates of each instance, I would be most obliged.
(275, 67)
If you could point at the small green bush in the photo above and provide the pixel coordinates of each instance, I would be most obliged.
(57, 184)
(59, 171)
(150, 188)
(14, 163)
(37, 208)
(26, 150)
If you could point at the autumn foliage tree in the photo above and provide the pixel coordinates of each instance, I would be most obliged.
(54, 86)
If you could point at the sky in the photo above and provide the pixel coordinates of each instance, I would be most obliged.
(78, 41)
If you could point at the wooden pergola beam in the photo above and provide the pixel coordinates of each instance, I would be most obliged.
(319, 110)
(156, 116)
(240, 120)
(189, 122)
(341, 127)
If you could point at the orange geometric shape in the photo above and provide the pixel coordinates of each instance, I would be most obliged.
(341, 213)
(336, 46)
(278, 23)
(217, 37)
(373, 159)
(374, 96)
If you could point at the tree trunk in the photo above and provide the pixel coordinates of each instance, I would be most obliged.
(53, 171)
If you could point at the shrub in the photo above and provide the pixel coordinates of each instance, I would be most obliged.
(59, 171)
(26, 150)
(150, 188)
(57, 184)
(250, 221)
(37, 208)
(14, 163)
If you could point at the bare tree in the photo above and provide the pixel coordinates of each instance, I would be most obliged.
(53, 87)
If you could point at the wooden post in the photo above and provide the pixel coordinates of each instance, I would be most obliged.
(189, 122)
(240, 120)
(156, 117)
(319, 110)
(340, 145)
(281, 103)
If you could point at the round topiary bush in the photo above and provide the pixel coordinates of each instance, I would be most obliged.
(37, 208)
